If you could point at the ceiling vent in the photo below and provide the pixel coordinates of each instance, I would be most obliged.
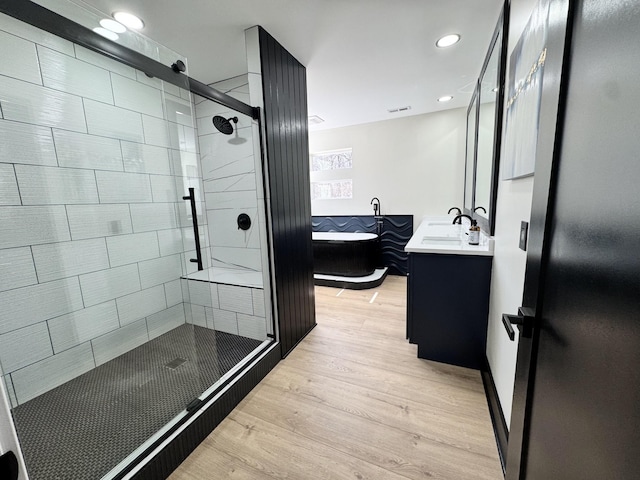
(315, 120)
(399, 109)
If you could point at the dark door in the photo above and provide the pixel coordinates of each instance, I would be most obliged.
(577, 408)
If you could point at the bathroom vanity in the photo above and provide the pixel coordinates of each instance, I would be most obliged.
(448, 293)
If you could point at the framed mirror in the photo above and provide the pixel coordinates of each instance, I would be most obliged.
(470, 152)
(481, 171)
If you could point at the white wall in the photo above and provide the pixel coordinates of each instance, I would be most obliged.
(513, 206)
(414, 165)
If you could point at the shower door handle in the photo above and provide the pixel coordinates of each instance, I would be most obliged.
(192, 200)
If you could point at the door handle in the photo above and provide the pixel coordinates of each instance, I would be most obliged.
(524, 320)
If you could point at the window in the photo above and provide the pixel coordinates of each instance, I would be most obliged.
(335, 189)
(326, 182)
(334, 160)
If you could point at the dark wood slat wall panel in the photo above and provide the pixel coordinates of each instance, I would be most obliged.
(284, 82)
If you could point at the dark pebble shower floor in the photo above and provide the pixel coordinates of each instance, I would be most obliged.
(85, 427)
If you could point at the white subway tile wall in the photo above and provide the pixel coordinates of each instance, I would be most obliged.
(252, 326)
(54, 261)
(226, 308)
(114, 122)
(94, 160)
(81, 326)
(124, 249)
(16, 268)
(67, 74)
(113, 344)
(24, 143)
(42, 376)
(141, 304)
(173, 293)
(36, 105)
(198, 316)
(20, 59)
(9, 194)
(79, 150)
(236, 299)
(166, 320)
(55, 185)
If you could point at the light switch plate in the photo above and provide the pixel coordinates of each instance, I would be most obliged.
(524, 233)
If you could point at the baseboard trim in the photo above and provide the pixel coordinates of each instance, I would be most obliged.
(500, 429)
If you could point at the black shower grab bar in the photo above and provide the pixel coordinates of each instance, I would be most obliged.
(192, 199)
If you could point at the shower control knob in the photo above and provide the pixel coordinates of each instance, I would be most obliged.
(244, 221)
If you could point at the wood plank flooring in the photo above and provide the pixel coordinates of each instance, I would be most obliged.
(353, 401)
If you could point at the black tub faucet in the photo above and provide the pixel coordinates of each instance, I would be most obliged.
(375, 201)
(458, 219)
(454, 208)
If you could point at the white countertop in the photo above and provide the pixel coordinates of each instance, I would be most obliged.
(437, 235)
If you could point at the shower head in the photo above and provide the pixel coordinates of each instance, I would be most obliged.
(223, 125)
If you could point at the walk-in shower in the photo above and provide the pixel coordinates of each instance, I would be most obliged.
(110, 334)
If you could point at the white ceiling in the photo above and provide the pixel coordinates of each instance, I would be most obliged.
(363, 57)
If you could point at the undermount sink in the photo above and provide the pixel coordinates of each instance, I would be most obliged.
(439, 224)
(438, 240)
(441, 232)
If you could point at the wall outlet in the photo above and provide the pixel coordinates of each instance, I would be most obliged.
(524, 234)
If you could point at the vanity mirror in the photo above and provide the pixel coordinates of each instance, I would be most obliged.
(472, 120)
(472, 123)
(484, 131)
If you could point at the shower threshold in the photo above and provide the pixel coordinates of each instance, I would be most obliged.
(85, 427)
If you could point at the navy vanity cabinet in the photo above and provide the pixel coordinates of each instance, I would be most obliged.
(448, 307)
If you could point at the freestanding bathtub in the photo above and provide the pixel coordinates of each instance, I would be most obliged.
(345, 254)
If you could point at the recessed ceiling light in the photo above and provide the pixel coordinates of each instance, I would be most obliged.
(315, 120)
(448, 40)
(496, 89)
(446, 98)
(112, 25)
(106, 33)
(129, 20)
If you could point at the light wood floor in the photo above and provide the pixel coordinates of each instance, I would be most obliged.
(353, 401)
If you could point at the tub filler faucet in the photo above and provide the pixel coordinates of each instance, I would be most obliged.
(375, 201)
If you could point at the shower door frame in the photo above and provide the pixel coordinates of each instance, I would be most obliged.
(175, 443)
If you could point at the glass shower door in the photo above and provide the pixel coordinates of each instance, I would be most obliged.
(96, 350)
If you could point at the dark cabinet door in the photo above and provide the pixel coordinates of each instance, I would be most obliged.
(450, 305)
